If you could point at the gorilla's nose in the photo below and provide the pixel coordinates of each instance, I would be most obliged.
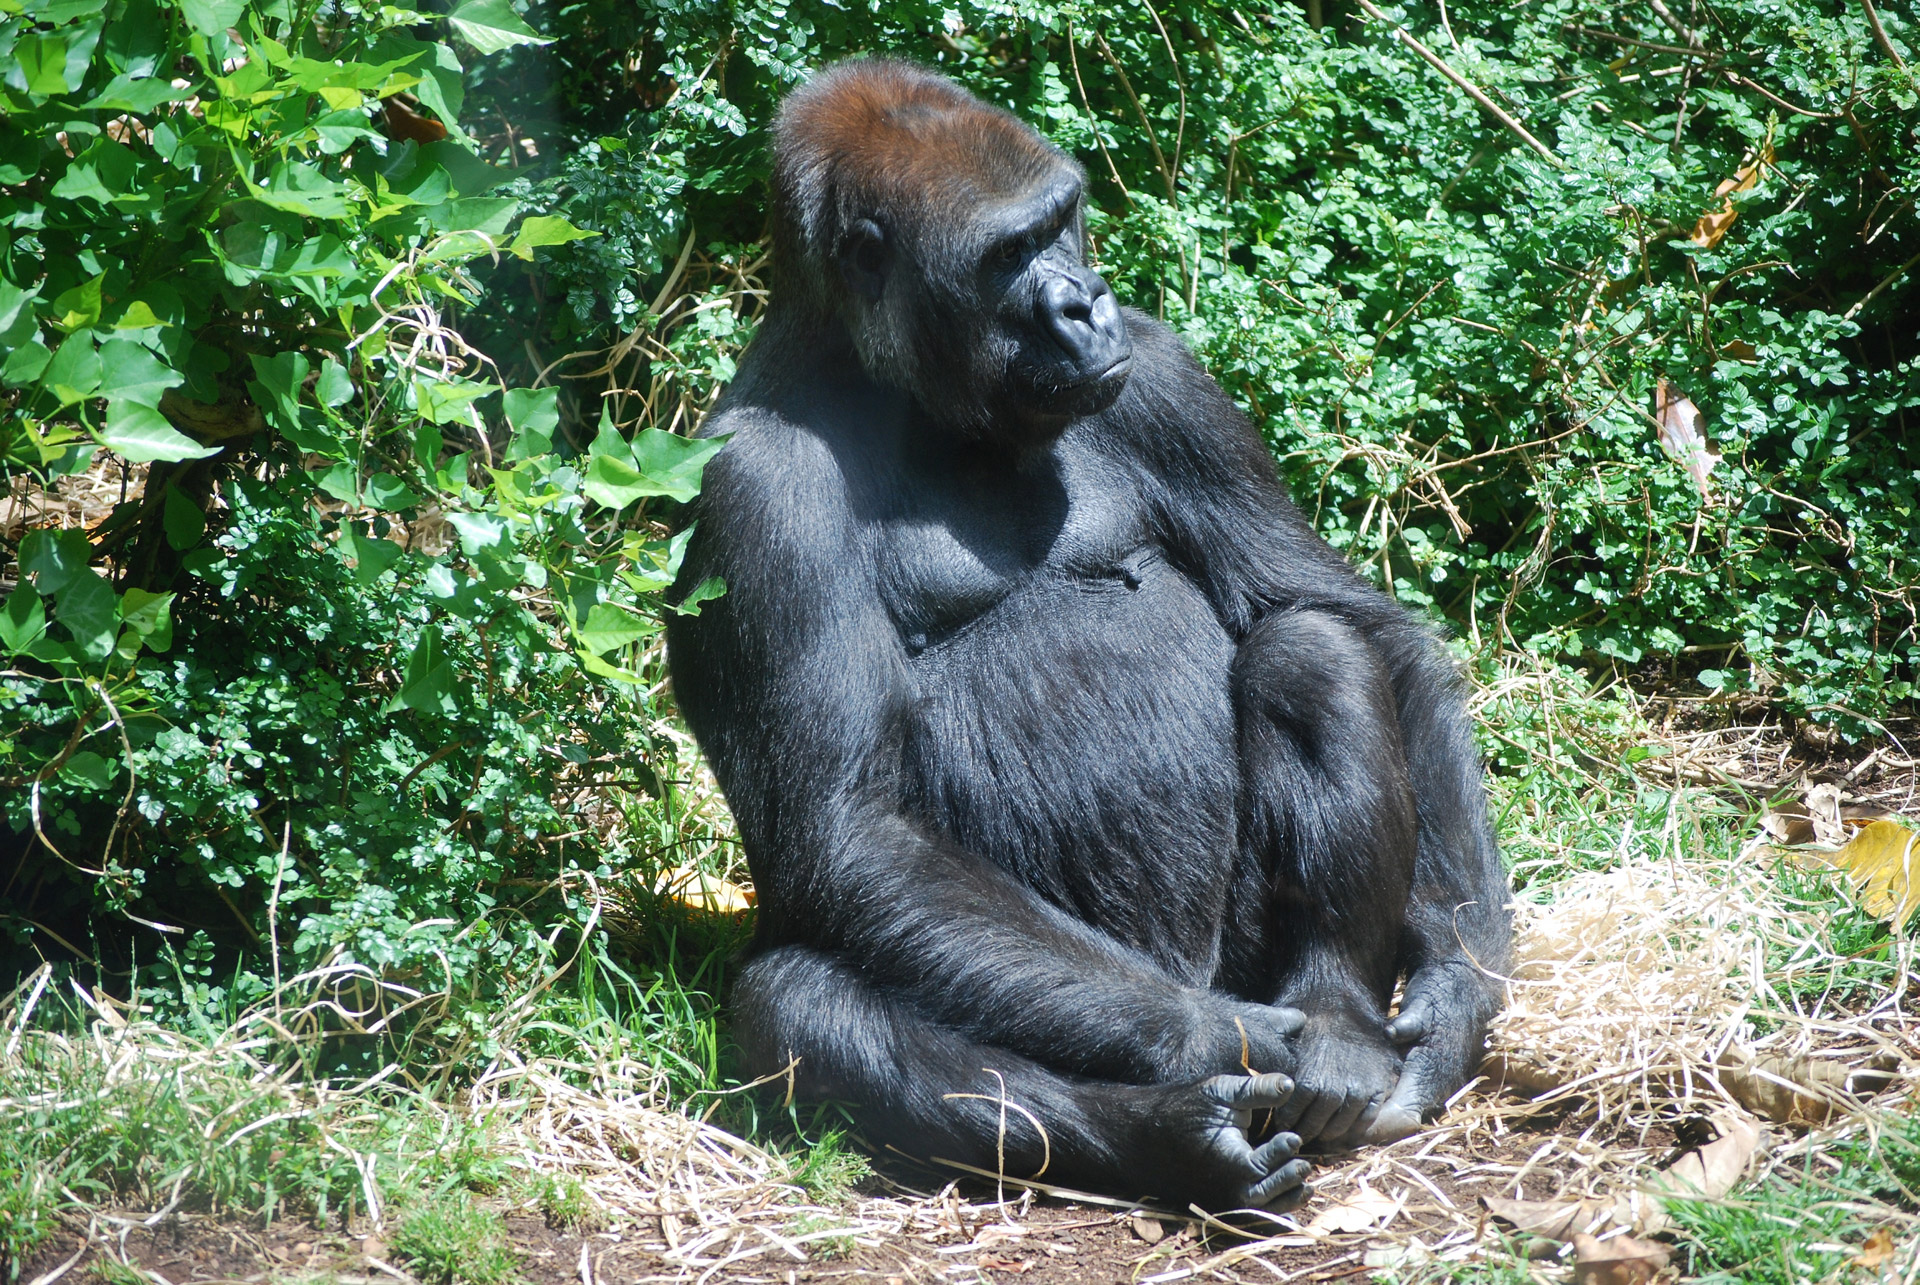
(1080, 313)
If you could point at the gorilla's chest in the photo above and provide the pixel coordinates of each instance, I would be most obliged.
(1073, 718)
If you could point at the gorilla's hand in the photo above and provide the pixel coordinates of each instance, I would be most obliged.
(1344, 1070)
(1197, 1136)
(1443, 1024)
(1224, 1036)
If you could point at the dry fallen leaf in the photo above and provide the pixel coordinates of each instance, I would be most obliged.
(1562, 1220)
(1713, 225)
(701, 891)
(991, 1263)
(1880, 862)
(1617, 1260)
(1363, 1209)
(1149, 1228)
(1714, 1168)
(1877, 1251)
(1682, 437)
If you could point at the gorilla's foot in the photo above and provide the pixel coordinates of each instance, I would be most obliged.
(1344, 1077)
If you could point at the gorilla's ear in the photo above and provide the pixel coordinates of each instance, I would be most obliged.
(864, 257)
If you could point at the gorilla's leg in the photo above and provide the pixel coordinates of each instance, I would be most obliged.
(934, 1095)
(1327, 858)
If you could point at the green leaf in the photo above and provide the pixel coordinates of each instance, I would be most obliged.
(492, 25)
(614, 482)
(478, 531)
(428, 686)
(22, 619)
(54, 558)
(303, 189)
(140, 433)
(706, 591)
(544, 229)
(74, 372)
(125, 93)
(149, 617)
(533, 421)
(79, 307)
(370, 555)
(341, 481)
(86, 605)
(387, 492)
(130, 372)
(276, 388)
(442, 402)
(674, 463)
(182, 520)
(334, 387)
(89, 769)
(40, 64)
(212, 17)
(608, 627)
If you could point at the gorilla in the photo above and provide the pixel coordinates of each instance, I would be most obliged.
(1095, 805)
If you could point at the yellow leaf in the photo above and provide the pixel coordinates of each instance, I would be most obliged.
(699, 890)
(1880, 862)
(1713, 225)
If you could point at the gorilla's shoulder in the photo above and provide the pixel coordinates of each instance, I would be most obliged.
(776, 474)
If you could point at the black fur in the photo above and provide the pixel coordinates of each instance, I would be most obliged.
(1076, 773)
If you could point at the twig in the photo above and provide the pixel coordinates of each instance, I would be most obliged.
(1880, 35)
(1473, 91)
(1888, 280)
(1760, 89)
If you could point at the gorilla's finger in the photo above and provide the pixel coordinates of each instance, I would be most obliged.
(1313, 1121)
(1249, 1092)
(1286, 1185)
(1275, 1150)
(1340, 1126)
(1289, 1112)
(1292, 1020)
(1414, 1023)
(1390, 1124)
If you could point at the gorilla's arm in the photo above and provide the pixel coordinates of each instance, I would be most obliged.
(1227, 519)
(796, 683)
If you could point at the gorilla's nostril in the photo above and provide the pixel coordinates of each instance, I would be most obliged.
(1078, 312)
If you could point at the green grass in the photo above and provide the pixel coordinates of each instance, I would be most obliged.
(449, 1240)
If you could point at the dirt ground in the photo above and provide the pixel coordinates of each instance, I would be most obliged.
(962, 1233)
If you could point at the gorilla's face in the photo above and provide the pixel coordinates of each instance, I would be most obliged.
(990, 316)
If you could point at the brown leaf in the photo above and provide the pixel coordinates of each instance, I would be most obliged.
(1682, 437)
(1363, 1209)
(1877, 1251)
(1799, 1091)
(1148, 1228)
(403, 123)
(1713, 225)
(1617, 1260)
(994, 1263)
(1562, 1220)
(1715, 1168)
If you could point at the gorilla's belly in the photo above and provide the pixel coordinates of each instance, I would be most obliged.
(1073, 734)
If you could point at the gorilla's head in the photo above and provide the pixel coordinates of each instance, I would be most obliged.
(949, 239)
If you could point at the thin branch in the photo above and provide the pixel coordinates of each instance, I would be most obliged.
(1880, 35)
(1888, 280)
(1473, 91)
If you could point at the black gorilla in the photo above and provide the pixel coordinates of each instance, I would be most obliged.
(1092, 800)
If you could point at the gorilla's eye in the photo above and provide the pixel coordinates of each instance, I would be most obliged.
(1008, 254)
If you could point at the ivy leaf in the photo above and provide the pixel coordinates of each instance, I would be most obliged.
(130, 372)
(138, 432)
(125, 93)
(607, 628)
(544, 229)
(182, 520)
(89, 769)
(86, 605)
(492, 25)
(54, 558)
(706, 591)
(428, 686)
(212, 17)
(674, 463)
(149, 617)
(22, 619)
(371, 556)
